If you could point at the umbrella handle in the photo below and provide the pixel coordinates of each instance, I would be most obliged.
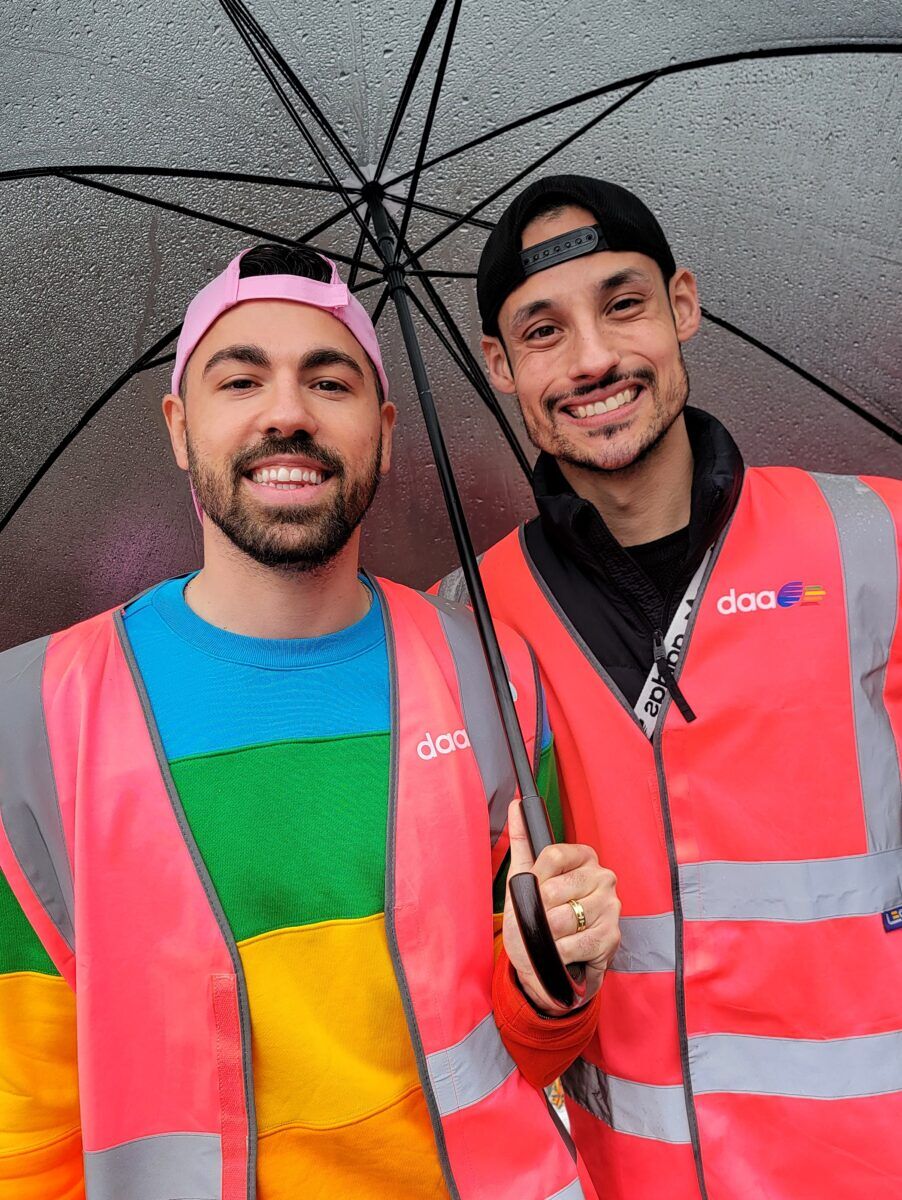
(566, 985)
(530, 913)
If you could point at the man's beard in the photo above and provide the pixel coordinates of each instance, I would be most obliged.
(275, 535)
(666, 407)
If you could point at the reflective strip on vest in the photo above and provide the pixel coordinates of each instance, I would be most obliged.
(646, 944)
(169, 1165)
(817, 890)
(867, 537)
(837, 1069)
(29, 806)
(573, 1191)
(641, 1109)
(472, 1069)
(480, 711)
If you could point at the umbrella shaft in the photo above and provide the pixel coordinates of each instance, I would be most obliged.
(533, 808)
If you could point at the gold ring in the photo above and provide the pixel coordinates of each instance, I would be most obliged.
(580, 913)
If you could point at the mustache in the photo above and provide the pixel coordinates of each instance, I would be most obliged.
(643, 375)
(298, 443)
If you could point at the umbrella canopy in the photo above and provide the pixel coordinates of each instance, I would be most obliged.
(141, 146)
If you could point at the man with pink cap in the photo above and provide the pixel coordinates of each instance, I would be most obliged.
(254, 826)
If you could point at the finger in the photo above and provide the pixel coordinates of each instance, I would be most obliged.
(562, 919)
(574, 885)
(562, 857)
(594, 947)
(601, 908)
(521, 851)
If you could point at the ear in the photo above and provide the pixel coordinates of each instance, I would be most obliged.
(498, 366)
(387, 414)
(684, 303)
(174, 415)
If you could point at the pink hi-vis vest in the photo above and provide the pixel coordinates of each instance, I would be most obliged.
(750, 1029)
(96, 846)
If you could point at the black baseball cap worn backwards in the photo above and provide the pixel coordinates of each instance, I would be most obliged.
(622, 223)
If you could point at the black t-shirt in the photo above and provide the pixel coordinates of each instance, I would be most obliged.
(615, 598)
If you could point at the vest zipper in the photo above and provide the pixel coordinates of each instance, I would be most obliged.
(666, 672)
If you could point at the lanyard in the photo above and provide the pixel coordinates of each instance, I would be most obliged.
(651, 699)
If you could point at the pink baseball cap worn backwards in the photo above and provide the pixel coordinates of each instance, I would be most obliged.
(229, 289)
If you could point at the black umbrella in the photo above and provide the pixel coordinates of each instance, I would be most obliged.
(380, 225)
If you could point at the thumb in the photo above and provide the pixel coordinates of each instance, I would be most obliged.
(521, 851)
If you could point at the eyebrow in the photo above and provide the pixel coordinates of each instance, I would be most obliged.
(628, 275)
(328, 356)
(252, 355)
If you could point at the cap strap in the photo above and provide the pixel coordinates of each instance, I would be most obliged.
(572, 244)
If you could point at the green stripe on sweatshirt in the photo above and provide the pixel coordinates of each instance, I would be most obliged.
(291, 832)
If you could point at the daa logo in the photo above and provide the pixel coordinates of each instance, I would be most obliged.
(443, 743)
(788, 596)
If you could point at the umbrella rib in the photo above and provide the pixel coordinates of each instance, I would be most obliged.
(441, 212)
(890, 432)
(317, 152)
(698, 64)
(478, 380)
(183, 210)
(380, 307)
(139, 364)
(475, 381)
(256, 29)
(355, 262)
(533, 166)
(410, 82)
(427, 125)
(169, 173)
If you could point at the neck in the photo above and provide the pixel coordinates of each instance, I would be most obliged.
(647, 500)
(238, 594)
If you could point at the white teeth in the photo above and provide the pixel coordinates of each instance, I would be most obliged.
(285, 477)
(602, 406)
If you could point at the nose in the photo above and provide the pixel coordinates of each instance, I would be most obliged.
(594, 354)
(287, 410)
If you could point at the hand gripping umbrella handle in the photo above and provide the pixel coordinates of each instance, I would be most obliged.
(564, 985)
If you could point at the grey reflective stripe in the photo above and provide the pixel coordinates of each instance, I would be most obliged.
(819, 1070)
(646, 944)
(816, 890)
(169, 1166)
(641, 1109)
(470, 1070)
(454, 587)
(573, 1191)
(480, 711)
(870, 566)
(28, 800)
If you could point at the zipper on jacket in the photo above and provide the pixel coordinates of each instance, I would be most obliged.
(666, 672)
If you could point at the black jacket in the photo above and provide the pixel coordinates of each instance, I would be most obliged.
(617, 598)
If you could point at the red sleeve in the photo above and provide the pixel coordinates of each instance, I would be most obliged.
(542, 1047)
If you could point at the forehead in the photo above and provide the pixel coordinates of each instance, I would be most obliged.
(283, 329)
(578, 281)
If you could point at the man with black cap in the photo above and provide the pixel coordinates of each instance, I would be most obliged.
(720, 654)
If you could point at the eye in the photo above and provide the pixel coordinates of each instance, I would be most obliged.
(239, 385)
(330, 385)
(625, 303)
(541, 331)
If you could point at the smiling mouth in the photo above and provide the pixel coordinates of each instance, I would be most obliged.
(618, 400)
(288, 478)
